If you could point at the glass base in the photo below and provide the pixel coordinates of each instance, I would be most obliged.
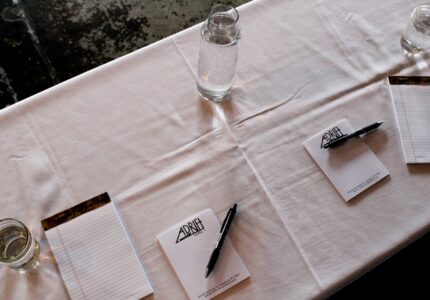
(32, 264)
(214, 96)
(410, 48)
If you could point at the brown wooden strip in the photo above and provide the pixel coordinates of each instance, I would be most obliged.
(409, 80)
(75, 211)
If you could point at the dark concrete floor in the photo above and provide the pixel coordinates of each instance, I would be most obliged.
(44, 42)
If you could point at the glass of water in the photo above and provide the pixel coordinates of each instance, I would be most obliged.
(416, 36)
(218, 54)
(18, 249)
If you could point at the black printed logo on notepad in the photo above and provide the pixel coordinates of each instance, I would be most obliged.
(194, 227)
(331, 135)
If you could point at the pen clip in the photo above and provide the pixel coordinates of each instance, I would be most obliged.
(225, 220)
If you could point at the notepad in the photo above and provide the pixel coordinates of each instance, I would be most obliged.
(94, 253)
(411, 100)
(351, 167)
(188, 246)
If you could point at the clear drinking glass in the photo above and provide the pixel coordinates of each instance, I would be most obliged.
(18, 249)
(218, 54)
(416, 37)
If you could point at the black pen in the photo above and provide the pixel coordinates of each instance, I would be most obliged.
(347, 137)
(223, 233)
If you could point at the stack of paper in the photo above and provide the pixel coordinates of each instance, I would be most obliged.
(188, 246)
(94, 253)
(411, 100)
(352, 167)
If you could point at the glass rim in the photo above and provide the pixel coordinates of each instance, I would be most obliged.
(28, 235)
(419, 7)
(421, 12)
(227, 9)
(422, 5)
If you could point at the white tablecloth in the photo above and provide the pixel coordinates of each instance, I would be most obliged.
(137, 129)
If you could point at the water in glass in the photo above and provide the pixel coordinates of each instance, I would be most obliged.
(416, 37)
(218, 55)
(18, 249)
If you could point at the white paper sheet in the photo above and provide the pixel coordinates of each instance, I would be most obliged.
(412, 107)
(96, 257)
(189, 245)
(351, 167)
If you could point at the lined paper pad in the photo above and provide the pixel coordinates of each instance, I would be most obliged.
(412, 107)
(351, 167)
(96, 257)
(188, 246)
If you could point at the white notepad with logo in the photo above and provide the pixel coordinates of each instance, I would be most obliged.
(94, 253)
(351, 167)
(188, 246)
